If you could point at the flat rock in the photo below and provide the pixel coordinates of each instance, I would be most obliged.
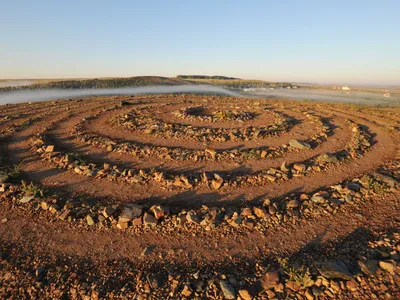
(217, 183)
(245, 295)
(26, 199)
(259, 212)
(270, 280)
(299, 144)
(227, 290)
(327, 158)
(49, 149)
(335, 270)
(109, 211)
(391, 182)
(192, 217)
(368, 267)
(387, 266)
(90, 220)
(149, 220)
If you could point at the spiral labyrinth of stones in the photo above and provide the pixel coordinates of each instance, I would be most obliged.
(199, 197)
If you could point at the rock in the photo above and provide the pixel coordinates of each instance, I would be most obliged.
(249, 224)
(391, 182)
(271, 294)
(309, 295)
(294, 286)
(136, 209)
(126, 215)
(44, 205)
(149, 220)
(352, 285)
(65, 214)
(318, 199)
(353, 186)
(292, 204)
(217, 183)
(137, 221)
(159, 211)
(270, 280)
(283, 167)
(246, 212)
(335, 270)
(129, 212)
(369, 267)
(182, 183)
(259, 212)
(26, 199)
(227, 290)
(4, 220)
(122, 225)
(155, 280)
(299, 167)
(387, 266)
(109, 211)
(192, 217)
(299, 144)
(235, 221)
(54, 208)
(263, 154)
(245, 295)
(187, 291)
(90, 220)
(327, 158)
(49, 149)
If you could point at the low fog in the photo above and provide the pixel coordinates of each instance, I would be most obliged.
(44, 95)
(290, 94)
(356, 97)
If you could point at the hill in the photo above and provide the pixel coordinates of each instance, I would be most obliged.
(100, 83)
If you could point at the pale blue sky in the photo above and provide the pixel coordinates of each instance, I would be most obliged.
(308, 41)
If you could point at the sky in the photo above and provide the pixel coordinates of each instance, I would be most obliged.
(298, 41)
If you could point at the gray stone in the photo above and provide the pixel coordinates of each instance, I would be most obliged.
(26, 199)
(192, 217)
(227, 290)
(327, 158)
(299, 144)
(335, 270)
(369, 267)
(318, 199)
(391, 182)
(149, 220)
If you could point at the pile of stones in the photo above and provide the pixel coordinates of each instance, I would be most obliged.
(146, 124)
(198, 113)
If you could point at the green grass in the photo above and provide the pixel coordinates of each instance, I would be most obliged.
(31, 189)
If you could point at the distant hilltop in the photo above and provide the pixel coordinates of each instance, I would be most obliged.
(206, 77)
(141, 81)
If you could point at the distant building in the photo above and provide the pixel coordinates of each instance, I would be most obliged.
(346, 88)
